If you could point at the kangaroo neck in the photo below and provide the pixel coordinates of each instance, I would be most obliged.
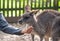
(34, 24)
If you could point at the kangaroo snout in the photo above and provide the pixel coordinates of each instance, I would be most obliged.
(20, 21)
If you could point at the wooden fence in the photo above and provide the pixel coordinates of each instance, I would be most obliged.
(12, 9)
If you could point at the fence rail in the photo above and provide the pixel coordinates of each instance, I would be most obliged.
(15, 8)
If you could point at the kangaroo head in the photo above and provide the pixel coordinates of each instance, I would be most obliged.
(28, 18)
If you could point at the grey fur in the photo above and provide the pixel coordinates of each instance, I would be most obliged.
(44, 23)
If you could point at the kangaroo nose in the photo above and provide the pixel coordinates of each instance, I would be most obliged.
(20, 21)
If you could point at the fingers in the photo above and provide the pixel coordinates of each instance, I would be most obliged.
(29, 30)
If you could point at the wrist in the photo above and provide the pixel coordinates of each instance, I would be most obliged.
(22, 32)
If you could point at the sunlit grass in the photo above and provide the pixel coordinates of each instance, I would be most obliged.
(13, 13)
(21, 12)
(5, 13)
(9, 13)
(59, 3)
(52, 3)
(1, 3)
(33, 5)
(6, 4)
(13, 4)
(17, 12)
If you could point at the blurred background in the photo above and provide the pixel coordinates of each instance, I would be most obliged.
(15, 8)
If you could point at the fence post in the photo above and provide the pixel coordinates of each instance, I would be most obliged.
(11, 8)
(56, 4)
(0, 4)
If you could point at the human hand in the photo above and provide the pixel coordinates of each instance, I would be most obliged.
(28, 30)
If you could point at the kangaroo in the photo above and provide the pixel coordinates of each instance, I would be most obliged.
(43, 25)
(56, 29)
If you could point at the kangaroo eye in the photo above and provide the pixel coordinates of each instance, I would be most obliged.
(26, 17)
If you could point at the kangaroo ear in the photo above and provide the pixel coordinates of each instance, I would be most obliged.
(35, 11)
(27, 8)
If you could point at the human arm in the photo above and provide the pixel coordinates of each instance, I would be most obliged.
(5, 27)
